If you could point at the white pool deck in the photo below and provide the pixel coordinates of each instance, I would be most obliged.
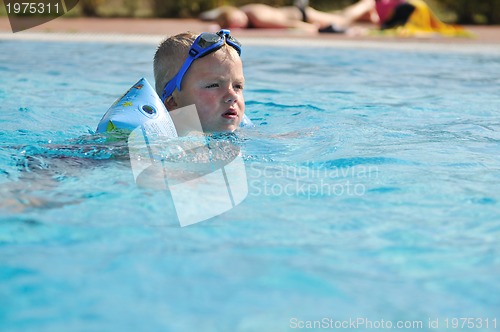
(152, 31)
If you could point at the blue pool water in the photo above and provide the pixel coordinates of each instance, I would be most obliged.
(373, 180)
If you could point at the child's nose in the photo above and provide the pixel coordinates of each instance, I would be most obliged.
(231, 96)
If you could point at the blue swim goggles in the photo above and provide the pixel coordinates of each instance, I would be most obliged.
(204, 44)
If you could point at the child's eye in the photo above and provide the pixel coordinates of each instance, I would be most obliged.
(213, 85)
(238, 87)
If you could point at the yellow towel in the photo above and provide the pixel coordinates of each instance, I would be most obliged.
(423, 23)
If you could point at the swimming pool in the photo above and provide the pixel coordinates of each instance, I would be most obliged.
(373, 181)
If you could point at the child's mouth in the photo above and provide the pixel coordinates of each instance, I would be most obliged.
(230, 114)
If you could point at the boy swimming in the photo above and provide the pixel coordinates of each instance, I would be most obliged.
(205, 71)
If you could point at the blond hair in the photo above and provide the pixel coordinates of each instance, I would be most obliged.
(169, 57)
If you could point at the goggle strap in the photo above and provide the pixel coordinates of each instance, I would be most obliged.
(177, 79)
(182, 72)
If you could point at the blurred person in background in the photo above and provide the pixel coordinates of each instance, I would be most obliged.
(398, 17)
(300, 16)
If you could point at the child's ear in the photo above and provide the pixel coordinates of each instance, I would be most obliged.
(170, 103)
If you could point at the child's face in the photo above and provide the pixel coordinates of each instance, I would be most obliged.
(214, 83)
